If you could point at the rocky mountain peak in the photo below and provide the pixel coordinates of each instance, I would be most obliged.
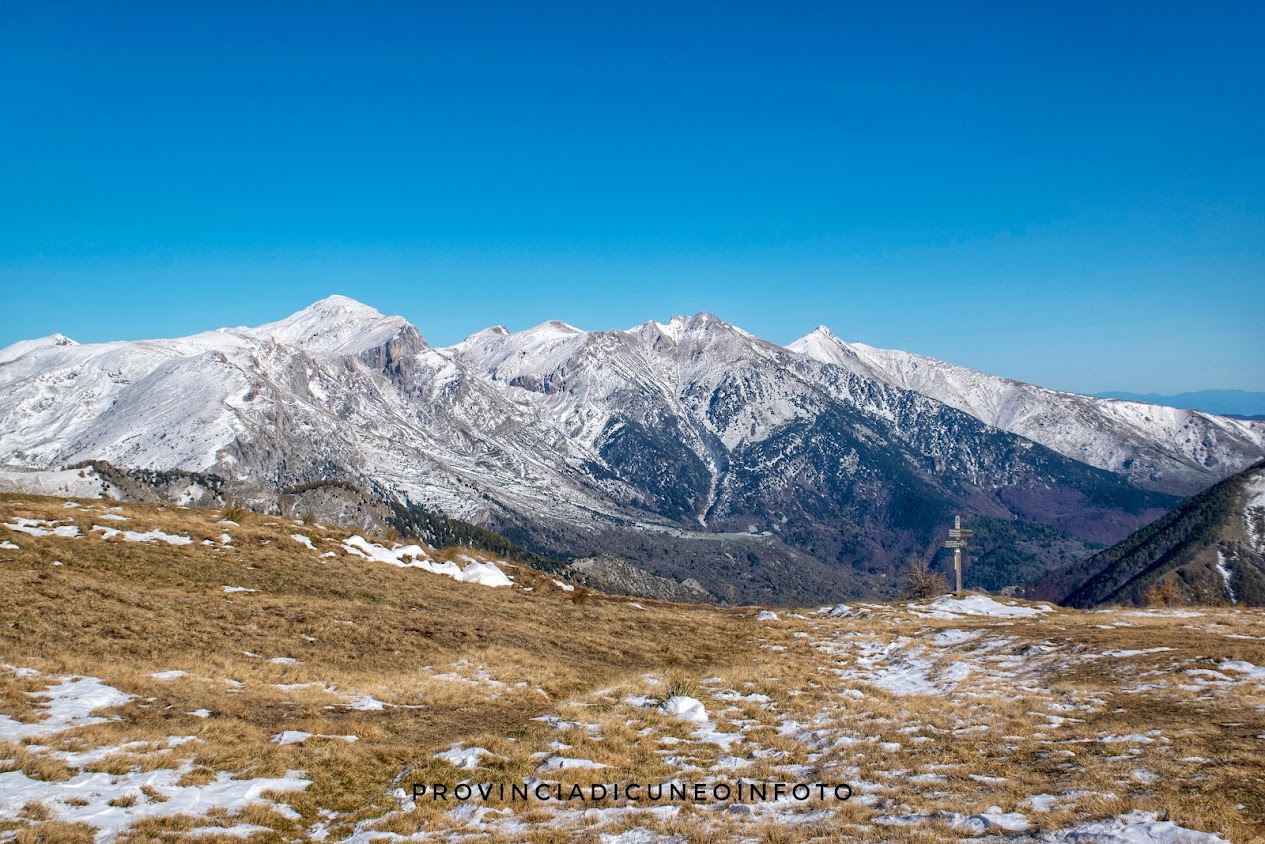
(337, 325)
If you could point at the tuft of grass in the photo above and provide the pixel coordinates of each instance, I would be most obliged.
(56, 832)
(680, 687)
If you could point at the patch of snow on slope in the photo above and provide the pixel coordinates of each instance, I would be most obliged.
(169, 674)
(88, 797)
(897, 667)
(465, 758)
(562, 763)
(69, 704)
(1224, 571)
(685, 708)
(72, 483)
(1132, 828)
(1252, 672)
(1254, 512)
(41, 527)
(154, 535)
(485, 574)
(414, 556)
(947, 606)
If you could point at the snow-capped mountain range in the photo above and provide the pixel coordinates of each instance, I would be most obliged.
(1163, 448)
(690, 447)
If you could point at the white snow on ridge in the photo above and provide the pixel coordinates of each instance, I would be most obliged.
(1120, 436)
(518, 418)
(333, 326)
(23, 347)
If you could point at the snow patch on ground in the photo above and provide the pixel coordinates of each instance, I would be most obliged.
(466, 758)
(87, 797)
(949, 607)
(685, 708)
(1251, 672)
(43, 527)
(303, 540)
(147, 536)
(169, 674)
(1132, 828)
(414, 556)
(562, 763)
(68, 704)
(112, 803)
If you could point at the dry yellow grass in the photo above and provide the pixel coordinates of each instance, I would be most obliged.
(456, 662)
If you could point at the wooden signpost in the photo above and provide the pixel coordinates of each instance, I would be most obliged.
(958, 542)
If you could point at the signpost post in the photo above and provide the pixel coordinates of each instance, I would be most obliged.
(958, 542)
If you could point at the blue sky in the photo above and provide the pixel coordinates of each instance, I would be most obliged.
(1070, 194)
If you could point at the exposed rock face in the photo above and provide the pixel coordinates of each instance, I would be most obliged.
(1161, 448)
(690, 448)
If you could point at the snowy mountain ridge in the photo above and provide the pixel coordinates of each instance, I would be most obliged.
(813, 468)
(1158, 447)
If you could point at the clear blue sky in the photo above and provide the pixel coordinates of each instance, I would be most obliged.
(1068, 193)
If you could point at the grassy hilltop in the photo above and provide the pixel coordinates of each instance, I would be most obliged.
(263, 653)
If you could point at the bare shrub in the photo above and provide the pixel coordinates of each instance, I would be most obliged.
(919, 582)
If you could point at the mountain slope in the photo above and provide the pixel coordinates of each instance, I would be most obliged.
(690, 448)
(1162, 448)
(1210, 549)
(710, 425)
(337, 390)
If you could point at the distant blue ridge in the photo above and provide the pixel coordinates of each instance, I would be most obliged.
(1224, 402)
